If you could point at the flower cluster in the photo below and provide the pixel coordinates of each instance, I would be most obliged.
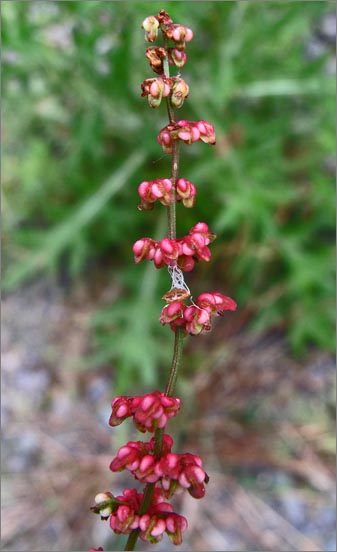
(157, 88)
(196, 318)
(167, 472)
(171, 471)
(124, 516)
(182, 252)
(150, 191)
(150, 412)
(162, 189)
(178, 34)
(186, 131)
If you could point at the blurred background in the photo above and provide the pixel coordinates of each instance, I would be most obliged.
(80, 320)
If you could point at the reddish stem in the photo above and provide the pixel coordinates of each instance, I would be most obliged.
(178, 339)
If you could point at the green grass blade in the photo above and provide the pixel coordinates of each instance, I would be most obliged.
(285, 87)
(59, 237)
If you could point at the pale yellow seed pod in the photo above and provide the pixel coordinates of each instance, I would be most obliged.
(150, 26)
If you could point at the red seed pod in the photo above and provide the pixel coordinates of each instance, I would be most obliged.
(164, 18)
(177, 57)
(155, 57)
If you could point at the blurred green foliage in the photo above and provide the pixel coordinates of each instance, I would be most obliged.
(79, 139)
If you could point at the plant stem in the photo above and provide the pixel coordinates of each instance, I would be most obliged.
(171, 209)
(166, 69)
(177, 354)
(172, 234)
(179, 335)
(158, 442)
(130, 545)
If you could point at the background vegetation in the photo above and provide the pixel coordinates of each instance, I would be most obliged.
(79, 139)
(80, 319)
